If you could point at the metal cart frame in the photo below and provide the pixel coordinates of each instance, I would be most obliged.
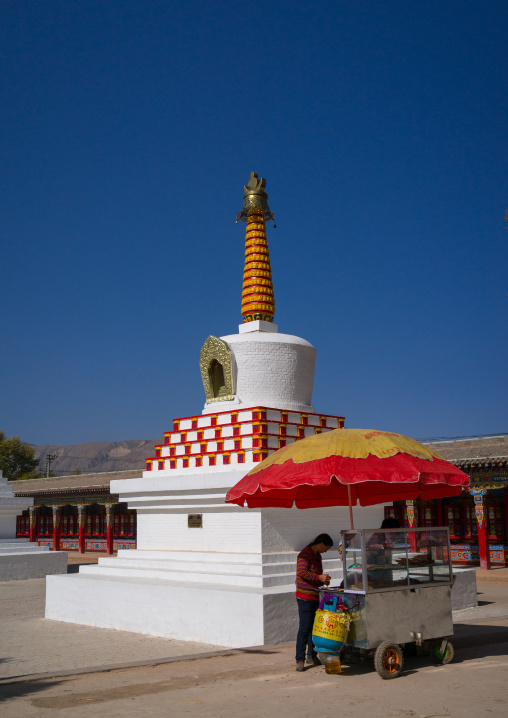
(397, 591)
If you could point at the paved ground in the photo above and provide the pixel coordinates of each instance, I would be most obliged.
(30, 644)
(495, 575)
(252, 683)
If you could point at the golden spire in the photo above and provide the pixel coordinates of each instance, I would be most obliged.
(257, 292)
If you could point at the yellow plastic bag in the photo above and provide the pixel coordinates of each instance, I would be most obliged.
(332, 626)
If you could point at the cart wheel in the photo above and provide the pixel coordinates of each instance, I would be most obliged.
(439, 657)
(388, 660)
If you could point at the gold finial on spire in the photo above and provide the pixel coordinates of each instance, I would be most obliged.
(257, 292)
(255, 198)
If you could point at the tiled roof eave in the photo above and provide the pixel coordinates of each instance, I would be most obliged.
(71, 483)
(482, 461)
(65, 490)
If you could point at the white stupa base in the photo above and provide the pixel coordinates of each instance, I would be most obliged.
(229, 582)
(20, 559)
(10, 507)
(222, 615)
(226, 599)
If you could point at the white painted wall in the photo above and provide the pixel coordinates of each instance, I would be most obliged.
(223, 531)
(292, 529)
(8, 523)
(215, 615)
(247, 531)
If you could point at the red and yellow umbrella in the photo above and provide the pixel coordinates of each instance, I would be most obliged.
(345, 467)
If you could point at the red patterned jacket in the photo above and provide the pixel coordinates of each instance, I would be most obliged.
(308, 569)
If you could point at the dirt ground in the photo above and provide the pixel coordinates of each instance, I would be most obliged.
(263, 683)
(259, 684)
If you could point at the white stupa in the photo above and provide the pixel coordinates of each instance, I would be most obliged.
(20, 558)
(204, 570)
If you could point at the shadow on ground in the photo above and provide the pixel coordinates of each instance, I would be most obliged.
(472, 642)
(255, 650)
(20, 690)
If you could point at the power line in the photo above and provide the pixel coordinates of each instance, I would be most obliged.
(49, 459)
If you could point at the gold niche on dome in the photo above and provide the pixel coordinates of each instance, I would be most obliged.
(216, 370)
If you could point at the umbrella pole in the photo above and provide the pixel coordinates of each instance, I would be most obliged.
(350, 506)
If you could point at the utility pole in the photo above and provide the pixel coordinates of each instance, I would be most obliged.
(49, 459)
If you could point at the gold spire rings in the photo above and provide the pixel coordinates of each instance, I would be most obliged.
(257, 289)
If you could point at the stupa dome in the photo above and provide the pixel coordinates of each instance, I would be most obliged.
(267, 369)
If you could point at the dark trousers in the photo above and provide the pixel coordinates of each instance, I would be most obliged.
(306, 613)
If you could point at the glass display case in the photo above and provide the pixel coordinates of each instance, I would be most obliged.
(390, 559)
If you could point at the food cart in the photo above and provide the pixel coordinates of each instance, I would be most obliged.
(396, 594)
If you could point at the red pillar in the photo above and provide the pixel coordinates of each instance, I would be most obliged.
(483, 539)
(33, 523)
(109, 529)
(56, 528)
(81, 528)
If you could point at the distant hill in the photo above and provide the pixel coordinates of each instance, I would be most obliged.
(98, 456)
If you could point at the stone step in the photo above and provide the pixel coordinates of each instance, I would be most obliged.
(196, 577)
(219, 557)
(23, 548)
(170, 564)
(212, 556)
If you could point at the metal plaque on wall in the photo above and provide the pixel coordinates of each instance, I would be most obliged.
(195, 521)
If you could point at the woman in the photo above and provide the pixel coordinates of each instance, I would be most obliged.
(309, 579)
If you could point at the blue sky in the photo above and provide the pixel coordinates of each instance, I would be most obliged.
(127, 132)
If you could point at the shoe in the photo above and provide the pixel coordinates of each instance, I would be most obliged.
(300, 666)
(312, 661)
